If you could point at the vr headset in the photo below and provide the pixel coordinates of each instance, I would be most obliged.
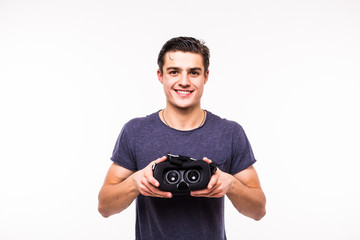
(181, 174)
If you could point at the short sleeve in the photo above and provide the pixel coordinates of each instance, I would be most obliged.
(242, 155)
(122, 154)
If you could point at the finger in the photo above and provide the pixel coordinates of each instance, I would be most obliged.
(206, 193)
(200, 193)
(197, 194)
(213, 180)
(203, 192)
(149, 174)
(155, 192)
(150, 178)
(162, 194)
(159, 160)
(148, 189)
(144, 190)
(207, 160)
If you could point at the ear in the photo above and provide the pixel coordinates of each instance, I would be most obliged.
(160, 77)
(206, 76)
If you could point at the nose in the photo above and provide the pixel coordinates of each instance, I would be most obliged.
(184, 81)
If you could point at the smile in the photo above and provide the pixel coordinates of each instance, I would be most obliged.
(183, 92)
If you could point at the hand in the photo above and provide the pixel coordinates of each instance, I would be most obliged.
(147, 184)
(219, 184)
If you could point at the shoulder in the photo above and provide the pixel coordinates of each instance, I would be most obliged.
(141, 122)
(223, 124)
(142, 126)
(225, 128)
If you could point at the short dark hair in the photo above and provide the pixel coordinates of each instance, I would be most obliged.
(185, 44)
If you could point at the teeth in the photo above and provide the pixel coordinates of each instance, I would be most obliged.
(184, 92)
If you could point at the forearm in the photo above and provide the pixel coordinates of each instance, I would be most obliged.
(114, 198)
(249, 201)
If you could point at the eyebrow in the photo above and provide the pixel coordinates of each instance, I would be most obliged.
(172, 68)
(190, 69)
(196, 69)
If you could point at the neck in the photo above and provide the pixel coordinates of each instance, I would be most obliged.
(183, 119)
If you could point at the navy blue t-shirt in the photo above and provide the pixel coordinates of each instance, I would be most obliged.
(143, 140)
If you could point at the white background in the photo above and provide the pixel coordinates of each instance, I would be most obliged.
(73, 72)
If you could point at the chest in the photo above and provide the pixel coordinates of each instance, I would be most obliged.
(217, 148)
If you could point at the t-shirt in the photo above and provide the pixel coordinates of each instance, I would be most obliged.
(145, 139)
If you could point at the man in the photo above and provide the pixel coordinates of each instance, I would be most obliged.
(186, 129)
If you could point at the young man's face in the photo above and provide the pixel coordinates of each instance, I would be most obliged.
(183, 79)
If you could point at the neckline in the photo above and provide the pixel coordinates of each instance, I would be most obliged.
(183, 131)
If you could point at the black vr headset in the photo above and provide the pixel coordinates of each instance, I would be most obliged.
(180, 174)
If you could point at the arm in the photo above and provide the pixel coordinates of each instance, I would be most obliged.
(122, 186)
(118, 191)
(243, 189)
(246, 194)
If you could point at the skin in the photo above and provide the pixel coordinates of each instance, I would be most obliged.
(183, 80)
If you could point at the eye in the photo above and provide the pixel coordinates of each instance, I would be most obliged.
(194, 73)
(173, 72)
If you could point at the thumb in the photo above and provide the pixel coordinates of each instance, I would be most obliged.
(207, 160)
(159, 160)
